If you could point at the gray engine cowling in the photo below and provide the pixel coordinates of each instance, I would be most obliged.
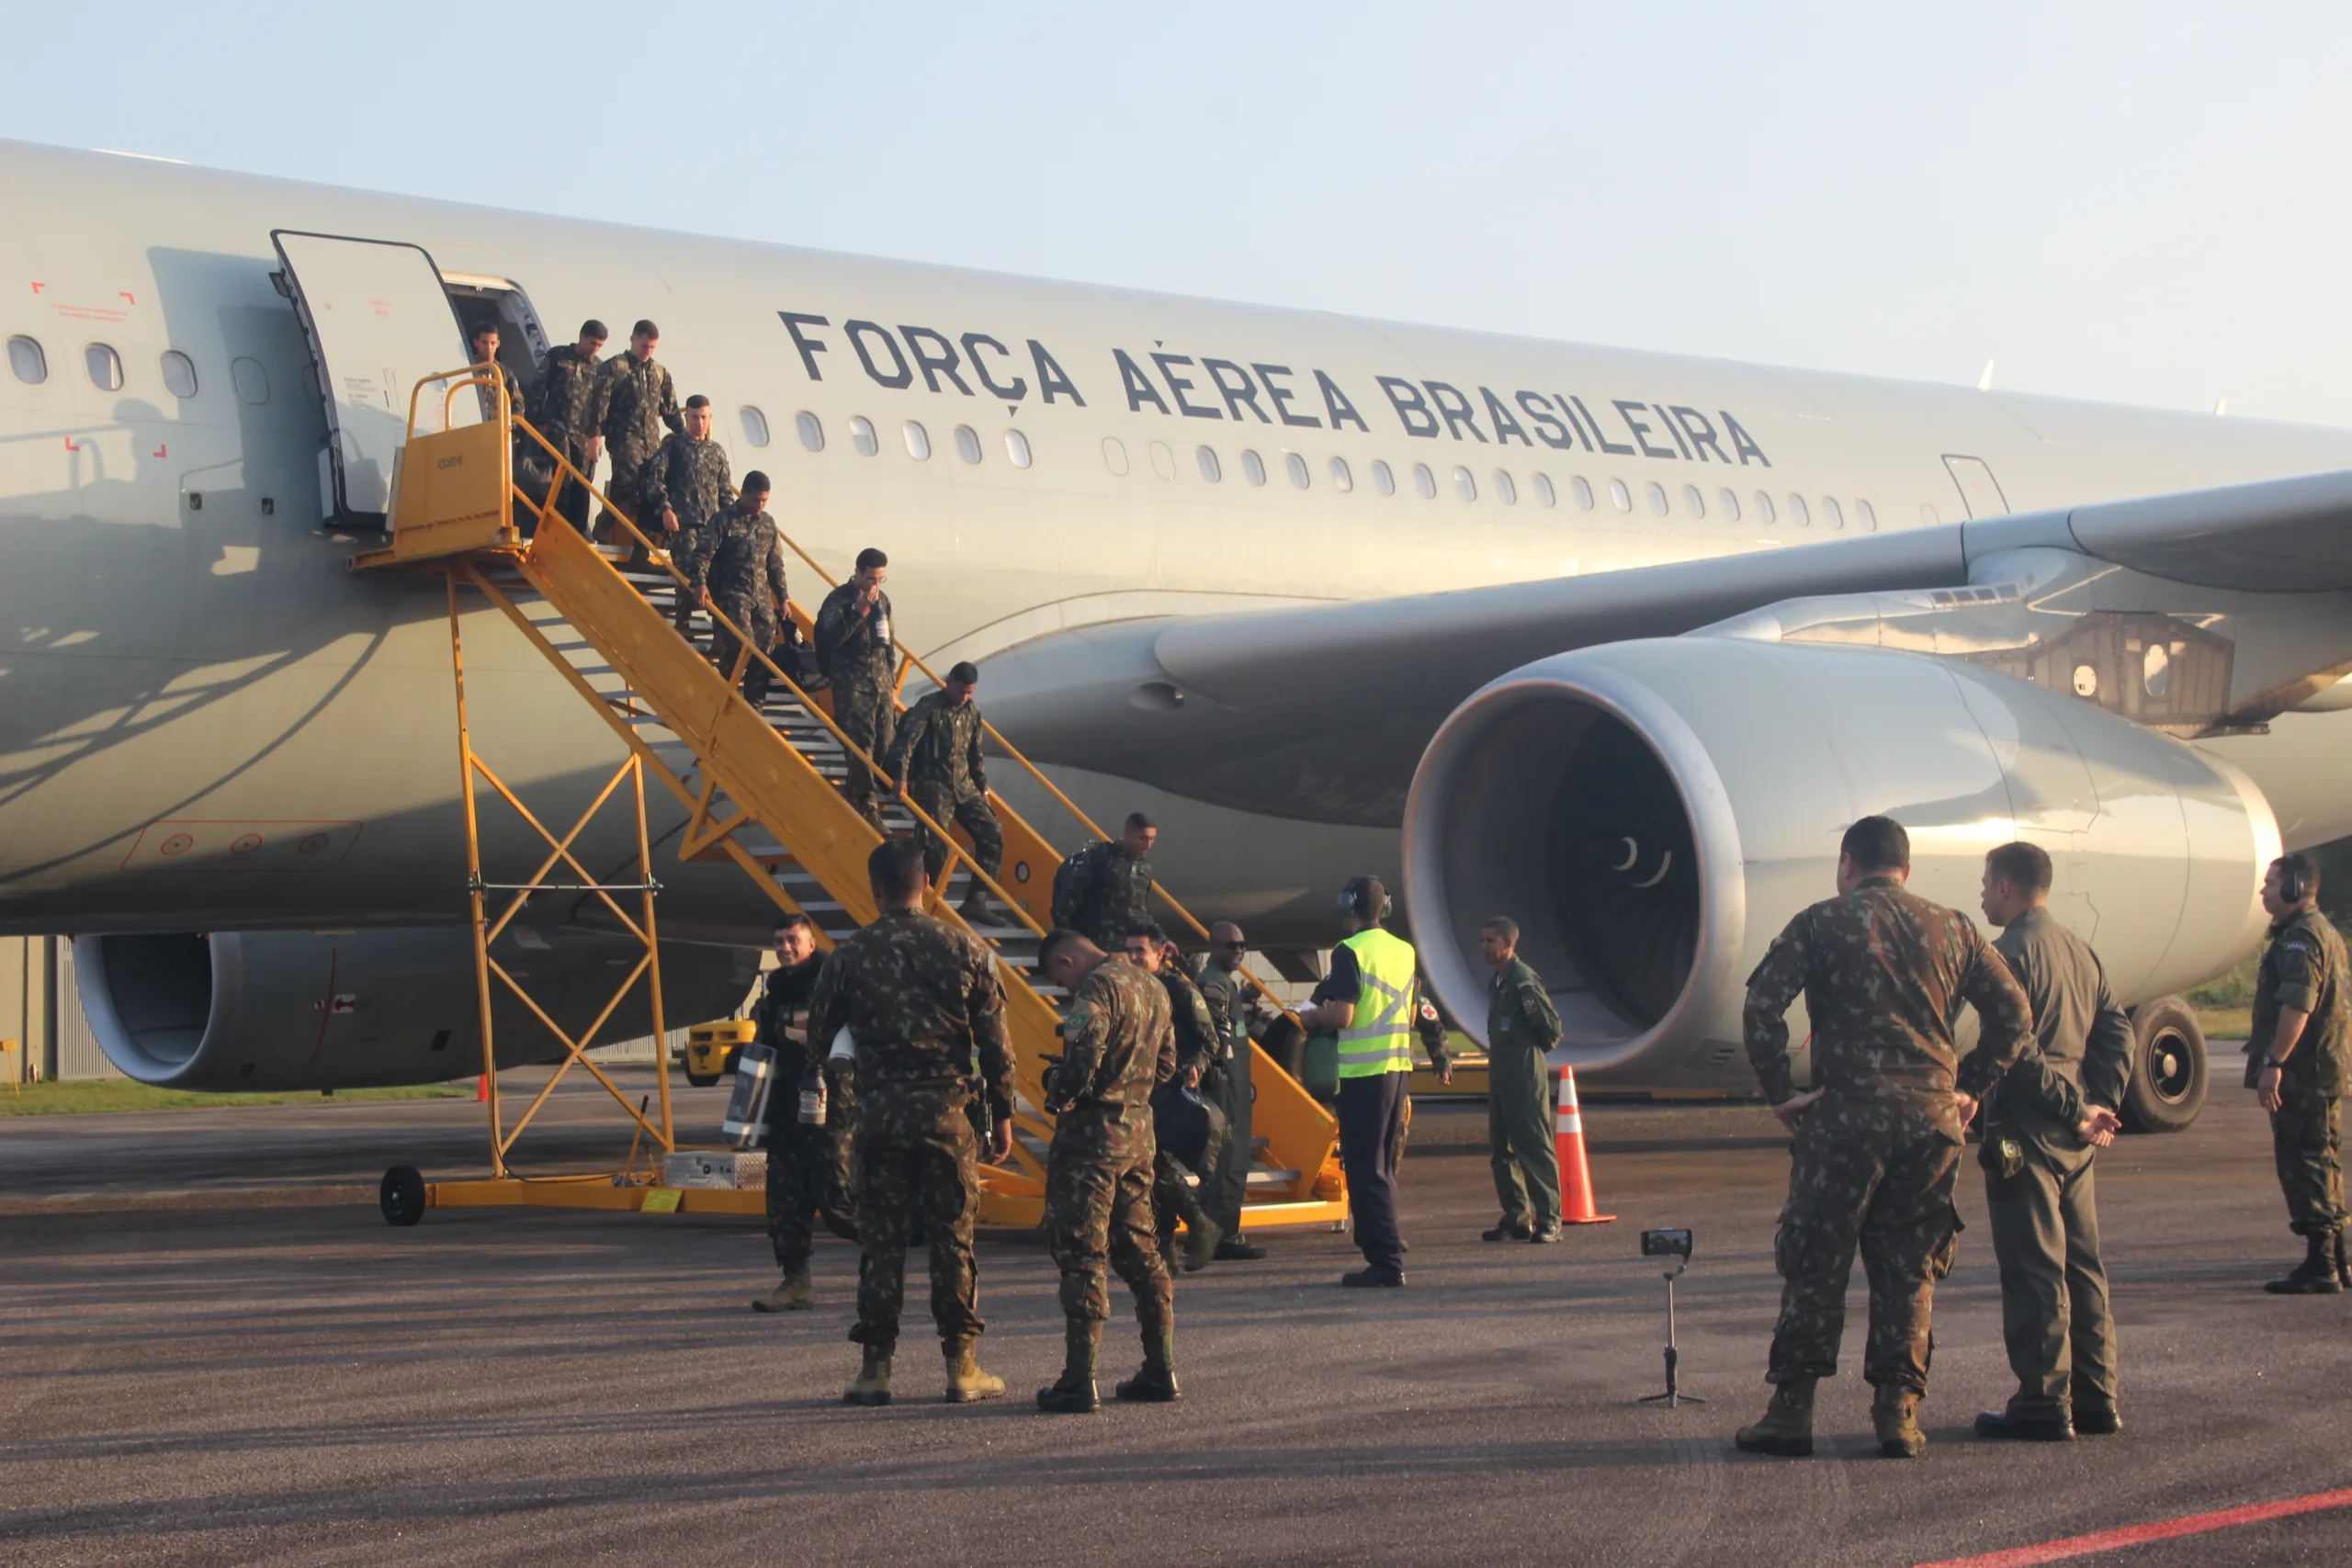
(1653, 812)
(369, 1009)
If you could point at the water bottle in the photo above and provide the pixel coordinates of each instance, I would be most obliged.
(812, 1098)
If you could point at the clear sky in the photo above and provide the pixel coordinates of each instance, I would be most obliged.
(2139, 200)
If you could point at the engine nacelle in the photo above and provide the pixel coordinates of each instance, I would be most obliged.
(1653, 812)
(369, 1009)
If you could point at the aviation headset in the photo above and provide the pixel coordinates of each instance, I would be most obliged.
(2290, 880)
(1365, 899)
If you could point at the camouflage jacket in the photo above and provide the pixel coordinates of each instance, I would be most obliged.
(939, 746)
(781, 1012)
(563, 400)
(2304, 968)
(741, 560)
(1188, 1012)
(854, 647)
(513, 398)
(1519, 1015)
(1117, 1044)
(920, 997)
(1226, 996)
(634, 399)
(1884, 972)
(687, 476)
(1108, 894)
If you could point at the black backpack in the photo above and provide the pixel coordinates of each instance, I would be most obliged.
(1067, 877)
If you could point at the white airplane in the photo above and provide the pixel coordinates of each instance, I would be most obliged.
(1611, 642)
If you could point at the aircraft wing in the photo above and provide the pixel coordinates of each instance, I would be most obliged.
(1321, 713)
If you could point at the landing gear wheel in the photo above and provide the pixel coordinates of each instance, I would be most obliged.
(702, 1081)
(401, 1197)
(2168, 1067)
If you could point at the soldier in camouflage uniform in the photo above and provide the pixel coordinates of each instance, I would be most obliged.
(562, 403)
(1189, 1130)
(634, 399)
(737, 567)
(527, 458)
(855, 652)
(1225, 992)
(1108, 892)
(1117, 1046)
(809, 1168)
(920, 997)
(1878, 1139)
(682, 490)
(2299, 1041)
(1521, 1028)
(937, 763)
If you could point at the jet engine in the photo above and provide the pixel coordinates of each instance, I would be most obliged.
(369, 1009)
(1653, 812)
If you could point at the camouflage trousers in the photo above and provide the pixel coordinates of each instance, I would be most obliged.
(973, 814)
(1881, 1178)
(2306, 1141)
(758, 619)
(1098, 1216)
(916, 1161)
(810, 1172)
(571, 499)
(869, 716)
(621, 485)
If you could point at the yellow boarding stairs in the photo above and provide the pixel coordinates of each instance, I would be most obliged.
(762, 788)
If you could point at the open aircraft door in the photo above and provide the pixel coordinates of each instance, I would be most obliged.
(378, 318)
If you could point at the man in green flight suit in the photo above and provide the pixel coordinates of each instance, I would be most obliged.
(1521, 1028)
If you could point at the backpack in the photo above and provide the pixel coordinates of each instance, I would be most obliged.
(1074, 871)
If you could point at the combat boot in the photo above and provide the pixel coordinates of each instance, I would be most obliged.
(1786, 1429)
(966, 1384)
(1895, 1416)
(2315, 1276)
(1201, 1233)
(976, 908)
(796, 1293)
(1156, 1383)
(1075, 1395)
(873, 1385)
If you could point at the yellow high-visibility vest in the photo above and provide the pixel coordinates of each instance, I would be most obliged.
(1380, 1039)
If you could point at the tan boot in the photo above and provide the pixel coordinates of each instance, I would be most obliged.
(796, 1293)
(1895, 1416)
(966, 1384)
(873, 1385)
(1786, 1426)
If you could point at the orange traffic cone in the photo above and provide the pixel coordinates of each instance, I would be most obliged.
(482, 1090)
(1575, 1178)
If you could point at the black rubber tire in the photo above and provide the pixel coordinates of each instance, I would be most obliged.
(728, 1071)
(401, 1197)
(702, 1081)
(2168, 1067)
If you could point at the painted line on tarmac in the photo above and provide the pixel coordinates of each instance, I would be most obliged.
(2161, 1529)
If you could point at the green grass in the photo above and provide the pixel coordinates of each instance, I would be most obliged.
(122, 1094)
(2225, 1004)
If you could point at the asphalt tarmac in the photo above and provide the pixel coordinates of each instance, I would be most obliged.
(213, 1350)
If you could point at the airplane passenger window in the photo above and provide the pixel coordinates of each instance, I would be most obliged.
(1692, 502)
(1297, 467)
(1253, 467)
(1583, 491)
(27, 361)
(756, 425)
(812, 430)
(918, 441)
(1657, 493)
(1506, 491)
(1163, 460)
(1544, 494)
(1831, 512)
(1764, 509)
(252, 382)
(179, 374)
(1797, 513)
(1342, 475)
(1114, 455)
(861, 436)
(1016, 448)
(1211, 469)
(1729, 502)
(1463, 485)
(1619, 496)
(1383, 477)
(1869, 518)
(967, 444)
(1928, 515)
(104, 366)
(1425, 481)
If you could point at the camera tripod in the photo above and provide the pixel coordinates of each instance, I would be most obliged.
(1673, 1396)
